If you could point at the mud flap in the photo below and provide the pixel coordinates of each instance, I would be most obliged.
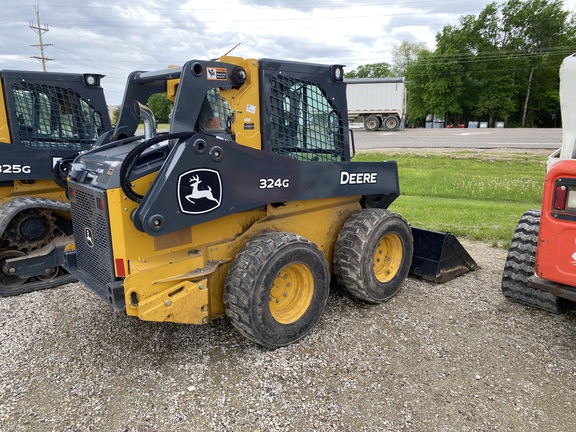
(439, 257)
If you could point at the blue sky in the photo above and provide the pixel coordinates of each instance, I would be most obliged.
(116, 37)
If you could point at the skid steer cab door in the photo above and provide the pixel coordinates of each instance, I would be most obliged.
(45, 117)
(306, 111)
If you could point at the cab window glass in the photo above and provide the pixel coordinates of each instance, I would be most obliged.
(304, 124)
(215, 113)
(54, 117)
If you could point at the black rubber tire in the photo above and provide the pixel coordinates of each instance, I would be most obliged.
(519, 266)
(372, 123)
(255, 273)
(358, 245)
(391, 123)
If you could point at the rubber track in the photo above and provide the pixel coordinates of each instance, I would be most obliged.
(519, 267)
(7, 212)
(16, 205)
(37, 285)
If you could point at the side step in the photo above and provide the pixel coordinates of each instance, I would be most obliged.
(439, 257)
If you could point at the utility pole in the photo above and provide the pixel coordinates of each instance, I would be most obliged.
(40, 30)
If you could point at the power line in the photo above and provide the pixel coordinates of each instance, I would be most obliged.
(40, 30)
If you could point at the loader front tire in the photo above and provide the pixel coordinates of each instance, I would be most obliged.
(277, 289)
(519, 266)
(372, 254)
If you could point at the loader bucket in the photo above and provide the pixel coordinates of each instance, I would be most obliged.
(439, 257)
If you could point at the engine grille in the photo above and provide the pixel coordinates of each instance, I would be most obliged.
(95, 257)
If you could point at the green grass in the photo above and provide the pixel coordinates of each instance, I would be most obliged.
(477, 195)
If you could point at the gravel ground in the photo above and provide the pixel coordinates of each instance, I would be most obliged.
(451, 357)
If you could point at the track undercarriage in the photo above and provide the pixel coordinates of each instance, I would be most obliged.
(34, 231)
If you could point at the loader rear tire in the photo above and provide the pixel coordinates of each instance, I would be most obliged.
(519, 266)
(372, 254)
(277, 289)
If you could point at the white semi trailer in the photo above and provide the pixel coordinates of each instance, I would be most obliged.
(378, 102)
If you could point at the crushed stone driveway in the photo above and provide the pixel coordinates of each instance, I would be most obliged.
(449, 357)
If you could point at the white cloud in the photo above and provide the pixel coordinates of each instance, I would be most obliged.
(117, 37)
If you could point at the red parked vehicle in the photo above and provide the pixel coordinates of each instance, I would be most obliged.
(540, 269)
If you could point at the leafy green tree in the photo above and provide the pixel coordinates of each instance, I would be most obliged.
(115, 115)
(444, 87)
(403, 54)
(416, 78)
(496, 99)
(374, 70)
(160, 105)
(537, 28)
(501, 64)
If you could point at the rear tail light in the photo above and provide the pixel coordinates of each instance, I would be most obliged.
(560, 196)
(564, 197)
(120, 268)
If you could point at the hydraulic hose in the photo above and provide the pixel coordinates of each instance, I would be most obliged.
(132, 158)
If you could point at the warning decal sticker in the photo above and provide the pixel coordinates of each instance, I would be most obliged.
(215, 73)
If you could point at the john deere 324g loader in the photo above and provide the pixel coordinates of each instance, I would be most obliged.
(43, 118)
(246, 207)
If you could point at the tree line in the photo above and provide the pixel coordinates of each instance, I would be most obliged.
(498, 66)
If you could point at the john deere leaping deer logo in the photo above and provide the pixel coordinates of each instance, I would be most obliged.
(199, 191)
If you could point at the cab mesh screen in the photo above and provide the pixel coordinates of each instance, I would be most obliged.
(304, 124)
(215, 113)
(54, 117)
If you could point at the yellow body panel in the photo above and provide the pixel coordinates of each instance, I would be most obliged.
(163, 284)
(183, 302)
(245, 104)
(37, 188)
(4, 129)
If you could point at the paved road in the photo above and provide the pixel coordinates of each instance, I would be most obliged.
(459, 138)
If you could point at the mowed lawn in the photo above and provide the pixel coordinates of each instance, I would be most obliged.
(472, 194)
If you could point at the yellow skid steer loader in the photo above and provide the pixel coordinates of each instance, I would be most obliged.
(246, 207)
(44, 117)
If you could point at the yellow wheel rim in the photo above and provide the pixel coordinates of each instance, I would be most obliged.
(291, 294)
(387, 258)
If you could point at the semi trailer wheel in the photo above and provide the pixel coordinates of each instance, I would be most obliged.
(372, 254)
(277, 289)
(372, 123)
(519, 266)
(391, 123)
